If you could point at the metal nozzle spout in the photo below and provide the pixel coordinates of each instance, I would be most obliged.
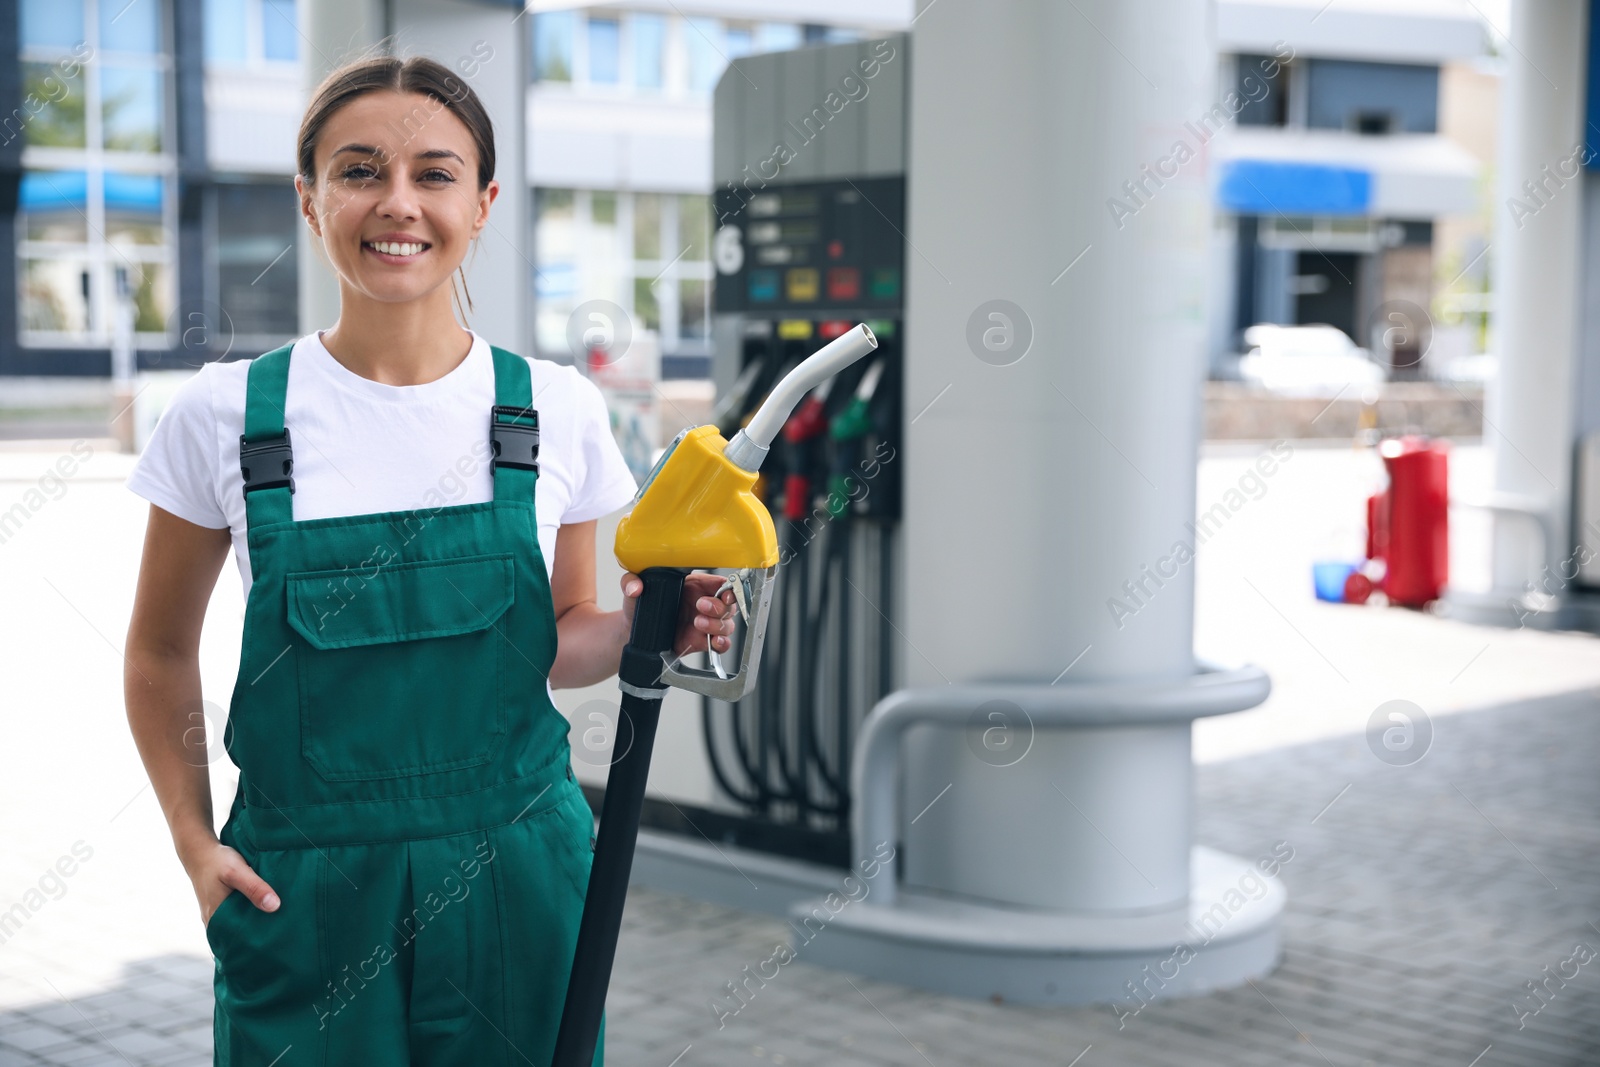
(749, 446)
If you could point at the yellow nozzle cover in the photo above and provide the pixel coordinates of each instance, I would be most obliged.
(698, 510)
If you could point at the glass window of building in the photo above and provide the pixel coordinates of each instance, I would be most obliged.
(777, 36)
(1372, 98)
(132, 100)
(649, 50)
(647, 226)
(1263, 84)
(816, 33)
(647, 252)
(605, 51)
(740, 38)
(280, 32)
(707, 52)
(227, 40)
(244, 32)
(55, 117)
(554, 34)
(694, 227)
(48, 24)
(254, 275)
(96, 203)
(129, 27)
(652, 53)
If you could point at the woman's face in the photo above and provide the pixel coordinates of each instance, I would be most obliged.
(396, 198)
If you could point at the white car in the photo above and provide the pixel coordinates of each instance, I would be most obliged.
(1306, 360)
(1478, 368)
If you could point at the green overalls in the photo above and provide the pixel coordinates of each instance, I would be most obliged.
(404, 783)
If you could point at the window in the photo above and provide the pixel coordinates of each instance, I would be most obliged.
(59, 92)
(1372, 97)
(777, 37)
(647, 252)
(651, 53)
(553, 34)
(693, 272)
(647, 226)
(819, 34)
(254, 274)
(47, 24)
(706, 50)
(132, 100)
(128, 26)
(649, 50)
(605, 51)
(740, 40)
(694, 214)
(280, 35)
(1262, 82)
(227, 40)
(243, 32)
(95, 211)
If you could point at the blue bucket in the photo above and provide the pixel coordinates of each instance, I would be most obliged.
(1329, 579)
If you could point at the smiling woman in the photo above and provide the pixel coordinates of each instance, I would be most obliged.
(392, 714)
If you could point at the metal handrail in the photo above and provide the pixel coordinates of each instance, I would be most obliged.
(1212, 690)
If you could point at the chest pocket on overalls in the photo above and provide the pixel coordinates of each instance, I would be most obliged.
(403, 672)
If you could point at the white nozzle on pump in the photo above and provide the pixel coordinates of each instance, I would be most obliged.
(749, 446)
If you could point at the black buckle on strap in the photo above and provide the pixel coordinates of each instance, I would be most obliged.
(268, 463)
(514, 444)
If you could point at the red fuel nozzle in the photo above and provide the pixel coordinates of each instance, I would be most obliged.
(796, 496)
(810, 421)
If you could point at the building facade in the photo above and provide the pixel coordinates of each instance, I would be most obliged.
(149, 152)
(148, 161)
(1335, 182)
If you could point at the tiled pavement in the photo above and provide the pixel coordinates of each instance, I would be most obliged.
(1420, 901)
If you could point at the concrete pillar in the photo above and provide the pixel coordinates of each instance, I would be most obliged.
(1058, 226)
(1536, 258)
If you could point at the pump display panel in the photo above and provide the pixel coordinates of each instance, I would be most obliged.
(798, 249)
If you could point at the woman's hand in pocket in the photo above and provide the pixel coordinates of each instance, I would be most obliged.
(220, 870)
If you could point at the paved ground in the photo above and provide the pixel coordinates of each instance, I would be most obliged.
(1419, 902)
(1421, 897)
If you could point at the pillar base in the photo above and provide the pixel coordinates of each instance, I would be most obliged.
(1228, 933)
(1574, 609)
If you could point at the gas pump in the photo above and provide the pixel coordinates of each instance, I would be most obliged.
(802, 255)
(836, 455)
(1006, 887)
(783, 753)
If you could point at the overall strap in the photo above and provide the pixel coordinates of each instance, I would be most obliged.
(513, 428)
(266, 458)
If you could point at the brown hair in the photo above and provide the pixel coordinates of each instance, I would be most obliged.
(415, 74)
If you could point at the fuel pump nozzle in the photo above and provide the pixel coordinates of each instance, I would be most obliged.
(695, 510)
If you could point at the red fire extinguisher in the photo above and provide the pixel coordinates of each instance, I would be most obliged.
(1408, 524)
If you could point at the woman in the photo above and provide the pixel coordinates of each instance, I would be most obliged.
(401, 875)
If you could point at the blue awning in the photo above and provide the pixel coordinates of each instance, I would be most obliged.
(60, 190)
(1274, 170)
(133, 192)
(68, 190)
(1283, 187)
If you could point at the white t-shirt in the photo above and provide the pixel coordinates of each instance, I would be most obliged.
(361, 446)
